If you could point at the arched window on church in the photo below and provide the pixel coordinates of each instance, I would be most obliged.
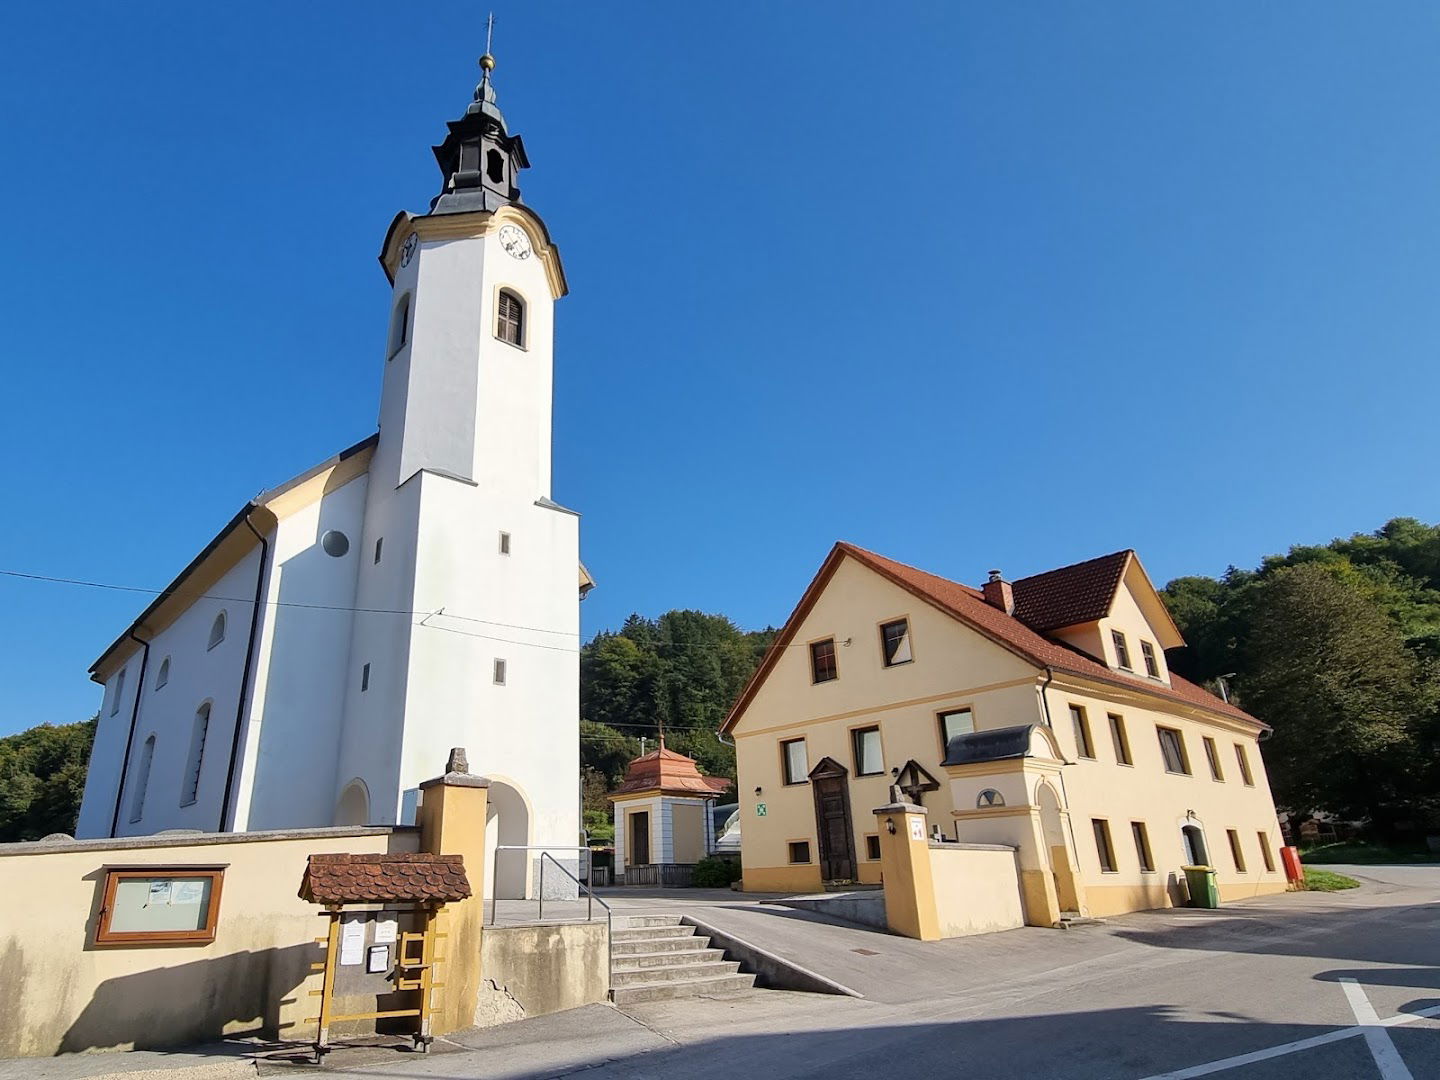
(510, 319)
(399, 326)
(217, 631)
(198, 732)
(142, 779)
(163, 675)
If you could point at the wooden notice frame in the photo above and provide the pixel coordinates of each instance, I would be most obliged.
(120, 880)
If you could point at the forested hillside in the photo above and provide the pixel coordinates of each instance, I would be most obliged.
(681, 671)
(1338, 648)
(42, 776)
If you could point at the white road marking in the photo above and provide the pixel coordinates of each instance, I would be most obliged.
(1382, 1047)
(1300, 1045)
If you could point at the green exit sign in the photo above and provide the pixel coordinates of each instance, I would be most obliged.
(760, 809)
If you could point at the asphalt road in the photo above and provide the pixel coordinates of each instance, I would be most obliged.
(1320, 986)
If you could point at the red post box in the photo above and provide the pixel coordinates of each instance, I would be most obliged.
(1290, 858)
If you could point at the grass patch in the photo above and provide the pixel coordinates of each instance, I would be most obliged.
(1328, 881)
(1361, 853)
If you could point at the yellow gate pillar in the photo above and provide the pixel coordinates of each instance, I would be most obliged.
(905, 870)
(452, 822)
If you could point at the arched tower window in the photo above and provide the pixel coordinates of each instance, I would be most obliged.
(510, 318)
(163, 675)
(217, 631)
(191, 788)
(399, 326)
(142, 779)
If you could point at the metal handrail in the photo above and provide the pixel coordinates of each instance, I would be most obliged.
(495, 874)
(545, 850)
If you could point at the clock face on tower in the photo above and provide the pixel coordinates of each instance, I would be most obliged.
(412, 244)
(513, 239)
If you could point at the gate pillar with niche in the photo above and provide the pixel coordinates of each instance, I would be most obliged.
(1005, 787)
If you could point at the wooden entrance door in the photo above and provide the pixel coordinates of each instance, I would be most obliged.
(831, 783)
(640, 838)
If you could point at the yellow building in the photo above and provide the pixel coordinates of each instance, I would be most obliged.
(1040, 714)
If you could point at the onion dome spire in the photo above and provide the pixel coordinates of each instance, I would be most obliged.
(479, 158)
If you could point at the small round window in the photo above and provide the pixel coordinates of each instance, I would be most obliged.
(335, 543)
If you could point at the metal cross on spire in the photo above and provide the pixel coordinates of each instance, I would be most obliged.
(487, 62)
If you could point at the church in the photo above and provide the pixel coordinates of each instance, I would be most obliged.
(417, 591)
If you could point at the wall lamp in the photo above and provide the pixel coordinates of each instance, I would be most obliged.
(890, 825)
(757, 791)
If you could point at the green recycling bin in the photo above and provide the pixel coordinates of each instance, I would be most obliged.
(1201, 883)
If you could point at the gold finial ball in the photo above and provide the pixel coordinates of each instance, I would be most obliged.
(487, 62)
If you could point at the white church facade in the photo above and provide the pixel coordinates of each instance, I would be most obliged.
(416, 592)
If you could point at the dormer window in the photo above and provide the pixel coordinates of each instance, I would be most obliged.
(510, 319)
(1152, 665)
(1122, 650)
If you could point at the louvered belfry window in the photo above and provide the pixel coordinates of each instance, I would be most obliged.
(510, 325)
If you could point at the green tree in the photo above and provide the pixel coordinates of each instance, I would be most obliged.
(42, 779)
(1330, 671)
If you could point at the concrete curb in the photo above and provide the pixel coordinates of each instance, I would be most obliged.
(771, 971)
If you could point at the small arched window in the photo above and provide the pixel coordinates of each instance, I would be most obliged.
(142, 779)
(399, 326)
(217, 631)
(163, 675)
(191, 787)
(510, 319)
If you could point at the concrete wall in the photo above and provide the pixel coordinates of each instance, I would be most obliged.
(64, 994)
(977, 889)
(539, 969)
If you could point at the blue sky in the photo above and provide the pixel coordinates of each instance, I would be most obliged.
(971, 284)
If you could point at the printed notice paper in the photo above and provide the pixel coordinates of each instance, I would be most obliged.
(188, 892)
(352, 941)
(386, 927)
(159, 892)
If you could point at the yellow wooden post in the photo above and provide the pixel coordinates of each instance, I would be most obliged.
(452, 822)
(905, 870)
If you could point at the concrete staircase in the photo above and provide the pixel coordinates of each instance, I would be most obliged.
(655, 958)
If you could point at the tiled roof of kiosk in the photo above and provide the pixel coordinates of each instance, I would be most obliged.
(666, 771)
(399, 878)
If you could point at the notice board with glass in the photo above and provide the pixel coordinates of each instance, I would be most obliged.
(158, 904)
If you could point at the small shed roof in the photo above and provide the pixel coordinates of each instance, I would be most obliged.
(995, 745)
(398, 878)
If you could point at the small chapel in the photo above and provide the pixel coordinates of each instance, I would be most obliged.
(417, 591)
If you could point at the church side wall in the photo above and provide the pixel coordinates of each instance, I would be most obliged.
(370, 735)
(197, 675)
(102, 779)
(524, 733)
(297, 706)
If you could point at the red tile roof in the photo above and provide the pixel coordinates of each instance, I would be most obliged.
(669, 773)
(395, 878)
(970, 607)
(1070, 595)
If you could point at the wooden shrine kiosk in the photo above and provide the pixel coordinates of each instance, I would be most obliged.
(382, 942)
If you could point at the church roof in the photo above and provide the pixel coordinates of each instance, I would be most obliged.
(232, 543)
(669, 773)
(237, 539)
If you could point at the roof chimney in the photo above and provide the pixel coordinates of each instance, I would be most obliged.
(999, 593)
